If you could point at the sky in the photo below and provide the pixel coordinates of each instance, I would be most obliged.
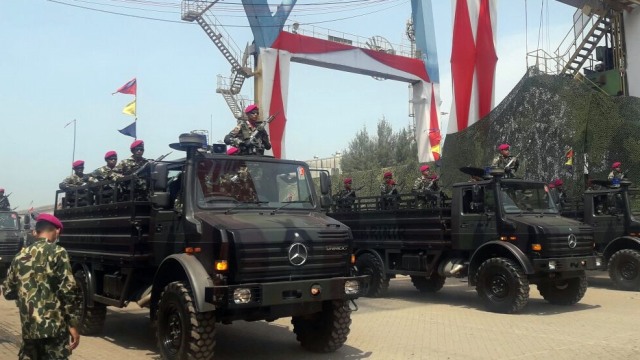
(59, 63)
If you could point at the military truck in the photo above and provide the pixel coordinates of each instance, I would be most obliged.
(503, 234)
(219, 238)
(10, 239)
(610, 211)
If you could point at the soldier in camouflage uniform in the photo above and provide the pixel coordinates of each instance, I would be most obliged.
(390, 197)
(426, 188)
(78, 178)
(4, 201)
(130, 166)
(505, 161)
(345, 199)
(240, 136)
(616, 174)
(41, 282)
(239, 185)
(106, 173)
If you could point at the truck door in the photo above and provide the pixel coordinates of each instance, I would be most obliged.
(607, 217)
(474, 221)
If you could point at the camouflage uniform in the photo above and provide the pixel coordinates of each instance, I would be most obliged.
(239, 186)
(345, 199)
(240, 137)
(105, 173)
(4, 203)
(615, 175)
(129, 166)
(389, 193)
(41, 282)
(426, 191)
(71, 182)
(502, 162)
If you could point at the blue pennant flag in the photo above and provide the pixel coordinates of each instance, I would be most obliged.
(129, 130)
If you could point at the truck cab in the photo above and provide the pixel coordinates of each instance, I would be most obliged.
(11, 239)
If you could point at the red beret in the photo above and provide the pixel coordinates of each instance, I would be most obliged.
(50, 219)
(250, 108)
(77, 163)
(392, 182)
(616, 164)
(503, 147)
(136, 144)
(388, 174)
(552, 186)
(558, 182)
(348, 180)
(424, 168)
(110, 153)
(1, 190)
(232, 150)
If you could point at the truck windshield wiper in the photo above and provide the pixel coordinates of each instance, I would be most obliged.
(244, 203)
(287, 203)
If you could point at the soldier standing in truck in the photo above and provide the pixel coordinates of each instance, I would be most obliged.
(506, 161)
(426, 188)
(242, 136)
(4, 201)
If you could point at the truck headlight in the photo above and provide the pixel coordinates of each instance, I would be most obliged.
(552, 265)
(351, 287)
(241, 295)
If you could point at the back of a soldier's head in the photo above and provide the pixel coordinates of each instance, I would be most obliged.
(43, 227)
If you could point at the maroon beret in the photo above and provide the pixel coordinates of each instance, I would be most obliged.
(136, 143)
(616, 164)
(232, 150)
(50, 219)
(110, 153)
(77, 163)
(388, 174)
(250, 108)
(503, 147)
(1, 189)
(424, 168)
(558, 182)
(348, 180)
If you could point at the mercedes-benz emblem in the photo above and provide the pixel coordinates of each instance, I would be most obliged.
(298, 254)
(572, 241)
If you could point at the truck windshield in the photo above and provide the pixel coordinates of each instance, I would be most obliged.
(526, 198)
(224, 183)
(8, 220)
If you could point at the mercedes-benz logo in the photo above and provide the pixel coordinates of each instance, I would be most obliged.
(572, 241)
(298, 254)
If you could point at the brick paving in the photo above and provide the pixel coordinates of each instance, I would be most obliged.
(405, 325)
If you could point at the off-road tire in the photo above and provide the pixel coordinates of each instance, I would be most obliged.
(502, 285)
(429, 284)
(183, 333)
(325, 331)
(369, 264)
(91, 318)
(564, 292)
(624, 269)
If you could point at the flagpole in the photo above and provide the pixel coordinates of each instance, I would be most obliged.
(73, 153)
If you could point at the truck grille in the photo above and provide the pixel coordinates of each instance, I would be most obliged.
(328, 256)
(559, 245)
(9, 248)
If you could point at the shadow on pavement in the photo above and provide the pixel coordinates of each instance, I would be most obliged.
(241, 340)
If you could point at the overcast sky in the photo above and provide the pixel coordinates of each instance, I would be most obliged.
(60, 63)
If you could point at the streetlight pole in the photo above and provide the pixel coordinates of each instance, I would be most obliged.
(73, 153)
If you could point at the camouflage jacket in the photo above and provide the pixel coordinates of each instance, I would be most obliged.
(423, 184)
(74, 181)
(129, 165)
(386, 188)
(4, 203)
(510, 164)
(615, 175)
(240, 137)
(105, 173)
(47, 296)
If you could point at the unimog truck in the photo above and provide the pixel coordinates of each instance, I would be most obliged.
(609, 210)
(11, 240)
(210, 239)
(503, 234)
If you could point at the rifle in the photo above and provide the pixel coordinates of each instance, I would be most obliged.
(513, 159)
(161, 157)
(352, 191)
(259, 128)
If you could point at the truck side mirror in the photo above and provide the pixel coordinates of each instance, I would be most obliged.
(325, 183)
(27, 220)
(325, 202)
(26, 227)
(159, 176)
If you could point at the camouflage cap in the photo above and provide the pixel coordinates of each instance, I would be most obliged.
(50, 219)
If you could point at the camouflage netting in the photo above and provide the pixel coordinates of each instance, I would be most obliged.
(541, 116)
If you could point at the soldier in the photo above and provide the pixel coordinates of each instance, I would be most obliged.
(616, 173)
(108, 171)
(239, 185)
(504, 160)
(346, 197)
(4, 201)
(557, 193)
(41, 282)
(250, 137)
(426, 188)
(78, 178)
(389, 192)
(130, 165)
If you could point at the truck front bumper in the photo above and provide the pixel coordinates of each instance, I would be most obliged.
(287, 292)
(568, 264)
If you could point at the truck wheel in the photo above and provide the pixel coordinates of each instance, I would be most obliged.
(564, 292)
(502, 285)
(325, 331)
(183, 333)
(429, 284)
(369, 264)
(91, 319)
(624, 269)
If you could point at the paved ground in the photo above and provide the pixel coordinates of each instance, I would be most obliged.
(406, 325)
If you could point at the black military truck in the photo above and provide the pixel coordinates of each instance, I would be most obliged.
(220, 238)
(503, 234)
(610, 211)
(11, 239)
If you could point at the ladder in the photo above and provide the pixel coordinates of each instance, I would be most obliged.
(586, 47)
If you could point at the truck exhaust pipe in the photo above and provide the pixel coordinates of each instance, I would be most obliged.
(145, 298)
(452, 268)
